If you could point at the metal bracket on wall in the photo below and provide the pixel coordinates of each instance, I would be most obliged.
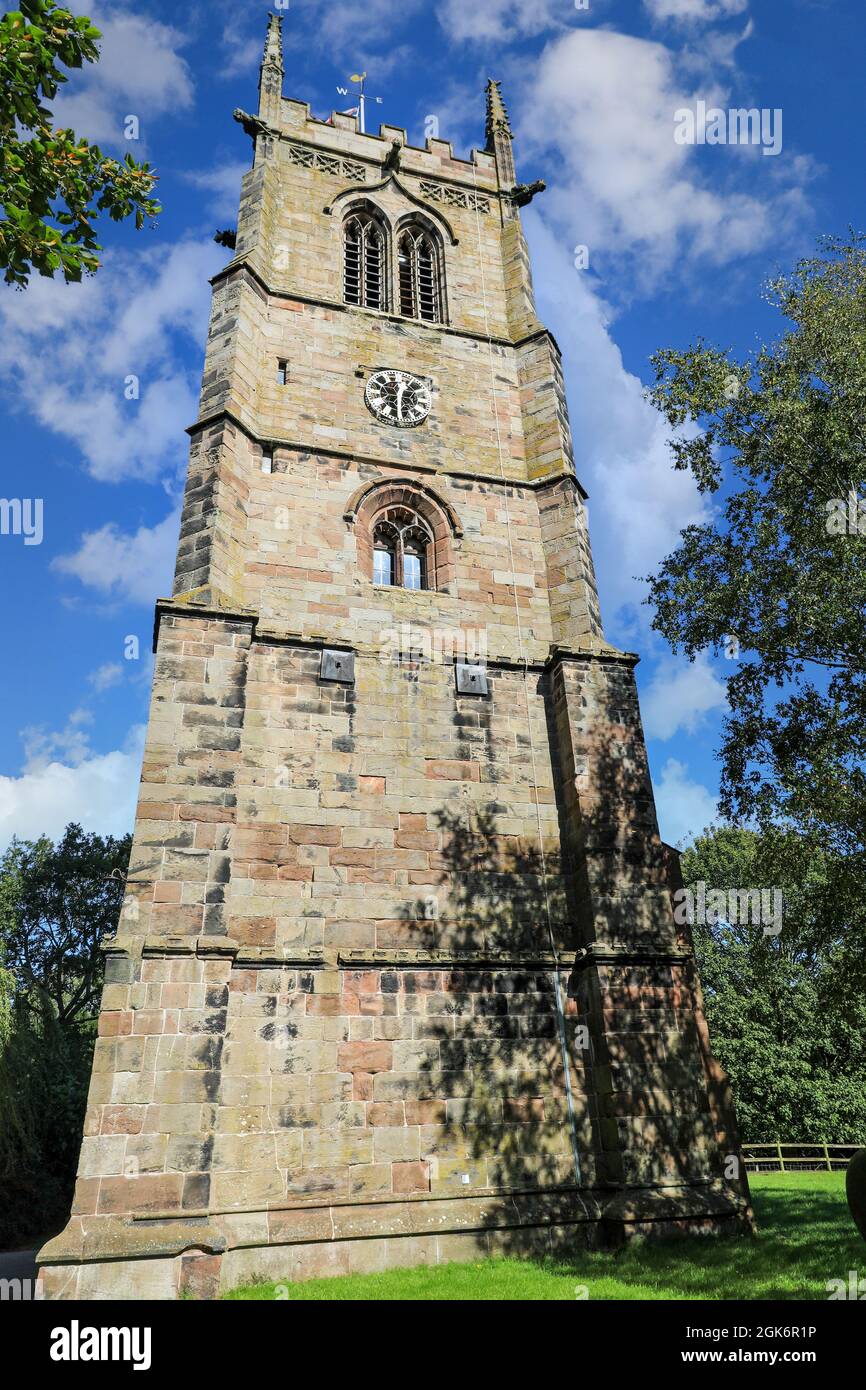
(338, 666)
(471, 680)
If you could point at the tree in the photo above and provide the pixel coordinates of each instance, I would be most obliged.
(780, 570)
(777, 578)
(53, 184)
(786, 1021)
(56, 905)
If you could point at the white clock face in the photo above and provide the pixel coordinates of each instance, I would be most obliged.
(398, 398)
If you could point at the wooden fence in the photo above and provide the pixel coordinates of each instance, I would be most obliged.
(798, 1158)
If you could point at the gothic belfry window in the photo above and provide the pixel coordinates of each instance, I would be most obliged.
(364, 262)
(418, 270)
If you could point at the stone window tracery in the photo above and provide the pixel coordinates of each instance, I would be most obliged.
(402, 550)
(406, 536)
(411, 283)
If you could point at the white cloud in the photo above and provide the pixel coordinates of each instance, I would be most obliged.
(69, 351)
(684, 807)
(695, 11)
(99, 791)
(646, 211)
(623, 185)
(355, 38)
(500, 19)
(72, 743)
(682, 693)
(139, 73)
(137, 567)
(242, 46)
(223, 184)
(714, 49)
(458, 107)
(109, 674)
(638, 503)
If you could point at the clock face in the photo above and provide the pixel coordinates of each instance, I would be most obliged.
(398, 398)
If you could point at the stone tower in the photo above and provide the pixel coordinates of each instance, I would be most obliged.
(397, 978)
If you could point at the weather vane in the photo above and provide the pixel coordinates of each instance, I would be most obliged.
(358, 110)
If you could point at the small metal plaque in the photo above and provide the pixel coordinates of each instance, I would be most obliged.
(338, 666)
(471, 680)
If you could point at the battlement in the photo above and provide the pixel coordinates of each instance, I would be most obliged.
(339, 134)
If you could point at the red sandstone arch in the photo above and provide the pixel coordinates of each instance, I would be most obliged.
(372, 501)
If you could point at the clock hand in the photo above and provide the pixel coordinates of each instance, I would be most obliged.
(400, 393)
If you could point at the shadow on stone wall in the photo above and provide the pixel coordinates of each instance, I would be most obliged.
(495, 1061)
(639, 1118)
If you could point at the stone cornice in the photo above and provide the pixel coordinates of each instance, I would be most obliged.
(596, 649)
(373, 958)
(243, 263)
(599, 953)
(273, 442)
(457, 960)
(556, 1197)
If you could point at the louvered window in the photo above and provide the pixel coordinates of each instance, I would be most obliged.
(418, 273)
(364, 263)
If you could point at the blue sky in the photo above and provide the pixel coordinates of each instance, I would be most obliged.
(679, 240)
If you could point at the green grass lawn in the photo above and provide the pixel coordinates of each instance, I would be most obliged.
(805, 1237)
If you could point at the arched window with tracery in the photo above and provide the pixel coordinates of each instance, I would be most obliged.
(406, 536)
(419, 275)
(364, 262)
(403, 550)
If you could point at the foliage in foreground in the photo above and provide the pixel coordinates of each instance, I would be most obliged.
(52, 183)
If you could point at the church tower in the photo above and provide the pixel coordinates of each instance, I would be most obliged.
(398, 978)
